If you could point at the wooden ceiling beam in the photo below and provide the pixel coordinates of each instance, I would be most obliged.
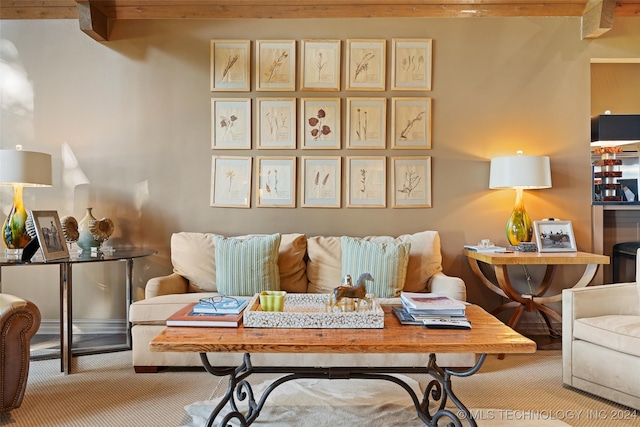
(597, 18)
(93, 21)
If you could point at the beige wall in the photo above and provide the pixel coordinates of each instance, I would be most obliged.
(134, 113)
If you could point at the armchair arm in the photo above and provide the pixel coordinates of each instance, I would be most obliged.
(592, 301)
(165, 285)
(451, 286)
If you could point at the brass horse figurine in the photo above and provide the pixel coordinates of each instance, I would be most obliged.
(358, 292)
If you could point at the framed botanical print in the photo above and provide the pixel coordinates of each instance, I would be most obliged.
(411, 182)
(366, 182)
(276, 65)
(366, 64)
(320, 123)
(231, 123)
(231, 181)
(50, 235)
(276, 123)
(320, 182)
(230, 65)
(411, 64)
(276, 183)
(411, 123)
(320, 65)
(366, 123)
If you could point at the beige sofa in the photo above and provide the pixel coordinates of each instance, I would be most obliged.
(306, 264)
(601, 340)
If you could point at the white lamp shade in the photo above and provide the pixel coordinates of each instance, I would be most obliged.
(26, 168)
(526, 172)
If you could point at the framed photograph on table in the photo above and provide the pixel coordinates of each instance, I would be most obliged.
(554, 236)
(411, 182)
(320, 123)
(50, 235)
(276, 65)
(367, 123)
(276, 183)
(366, 182)
(366, 64)
(230, 123)
(276, 123)
(411, 123)
(231, 181)
(230, 65)
(411, 64)
(320, 65)
(321, 179)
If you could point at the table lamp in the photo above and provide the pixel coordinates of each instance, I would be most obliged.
(520, 173)
(21, 169)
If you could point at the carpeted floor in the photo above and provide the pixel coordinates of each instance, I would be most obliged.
(104, 391)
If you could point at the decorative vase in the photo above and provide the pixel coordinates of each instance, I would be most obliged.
(86, 239)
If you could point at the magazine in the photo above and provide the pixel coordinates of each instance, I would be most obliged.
(187, 317)
(447, 323)
(221, 305)
(432, 304)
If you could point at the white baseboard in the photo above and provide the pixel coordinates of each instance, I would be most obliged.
(85, 326)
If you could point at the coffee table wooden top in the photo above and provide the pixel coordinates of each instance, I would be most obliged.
(488, 335)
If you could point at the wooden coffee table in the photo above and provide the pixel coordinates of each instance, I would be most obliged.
(487, 336)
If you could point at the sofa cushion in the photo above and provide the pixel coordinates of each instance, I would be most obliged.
(193, 257)
(248, 266)
(617, 332)
(324, 265)
(386, 262)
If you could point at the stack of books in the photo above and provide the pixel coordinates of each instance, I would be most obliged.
(214, 314)
(432, 310)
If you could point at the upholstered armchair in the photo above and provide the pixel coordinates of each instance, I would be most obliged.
(601, 340)
(19, 321)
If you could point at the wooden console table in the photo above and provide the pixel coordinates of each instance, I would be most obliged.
(487, 336)
(537, 300)
(66, 282)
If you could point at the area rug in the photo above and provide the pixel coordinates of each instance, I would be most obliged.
(371, 403)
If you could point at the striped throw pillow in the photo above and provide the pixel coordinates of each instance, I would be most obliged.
(247, 267)
(386, 262)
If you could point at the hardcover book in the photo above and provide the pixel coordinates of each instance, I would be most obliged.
(432, 304)
(187, 317)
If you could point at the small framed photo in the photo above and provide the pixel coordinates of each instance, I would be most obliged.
(276, 65)
(230, 123)
(366, 182)
(366, 64)
(231, 182)
(320, 65)
(554, 236)
(321, 179)
(411, 64)
(367, 123)
(320, 123)
(411, 182)
(50, 236)
(276, 123)
(230, 65)
(276, 183)
(411, 123)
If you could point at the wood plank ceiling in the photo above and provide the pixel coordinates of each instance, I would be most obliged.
(96, 17)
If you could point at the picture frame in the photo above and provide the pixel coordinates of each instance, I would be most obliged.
(50, 235)
(411, 182)
(276, 182)
(320, 65)
(366, 182)
(554, 236)
(320, 183)
(366, 123)
(320, 123)
(230, 65)
(230, 123)
(276, 65)
(231, 181)
(366, 64)
(411, 123)
(276, 123)
(411, 64)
